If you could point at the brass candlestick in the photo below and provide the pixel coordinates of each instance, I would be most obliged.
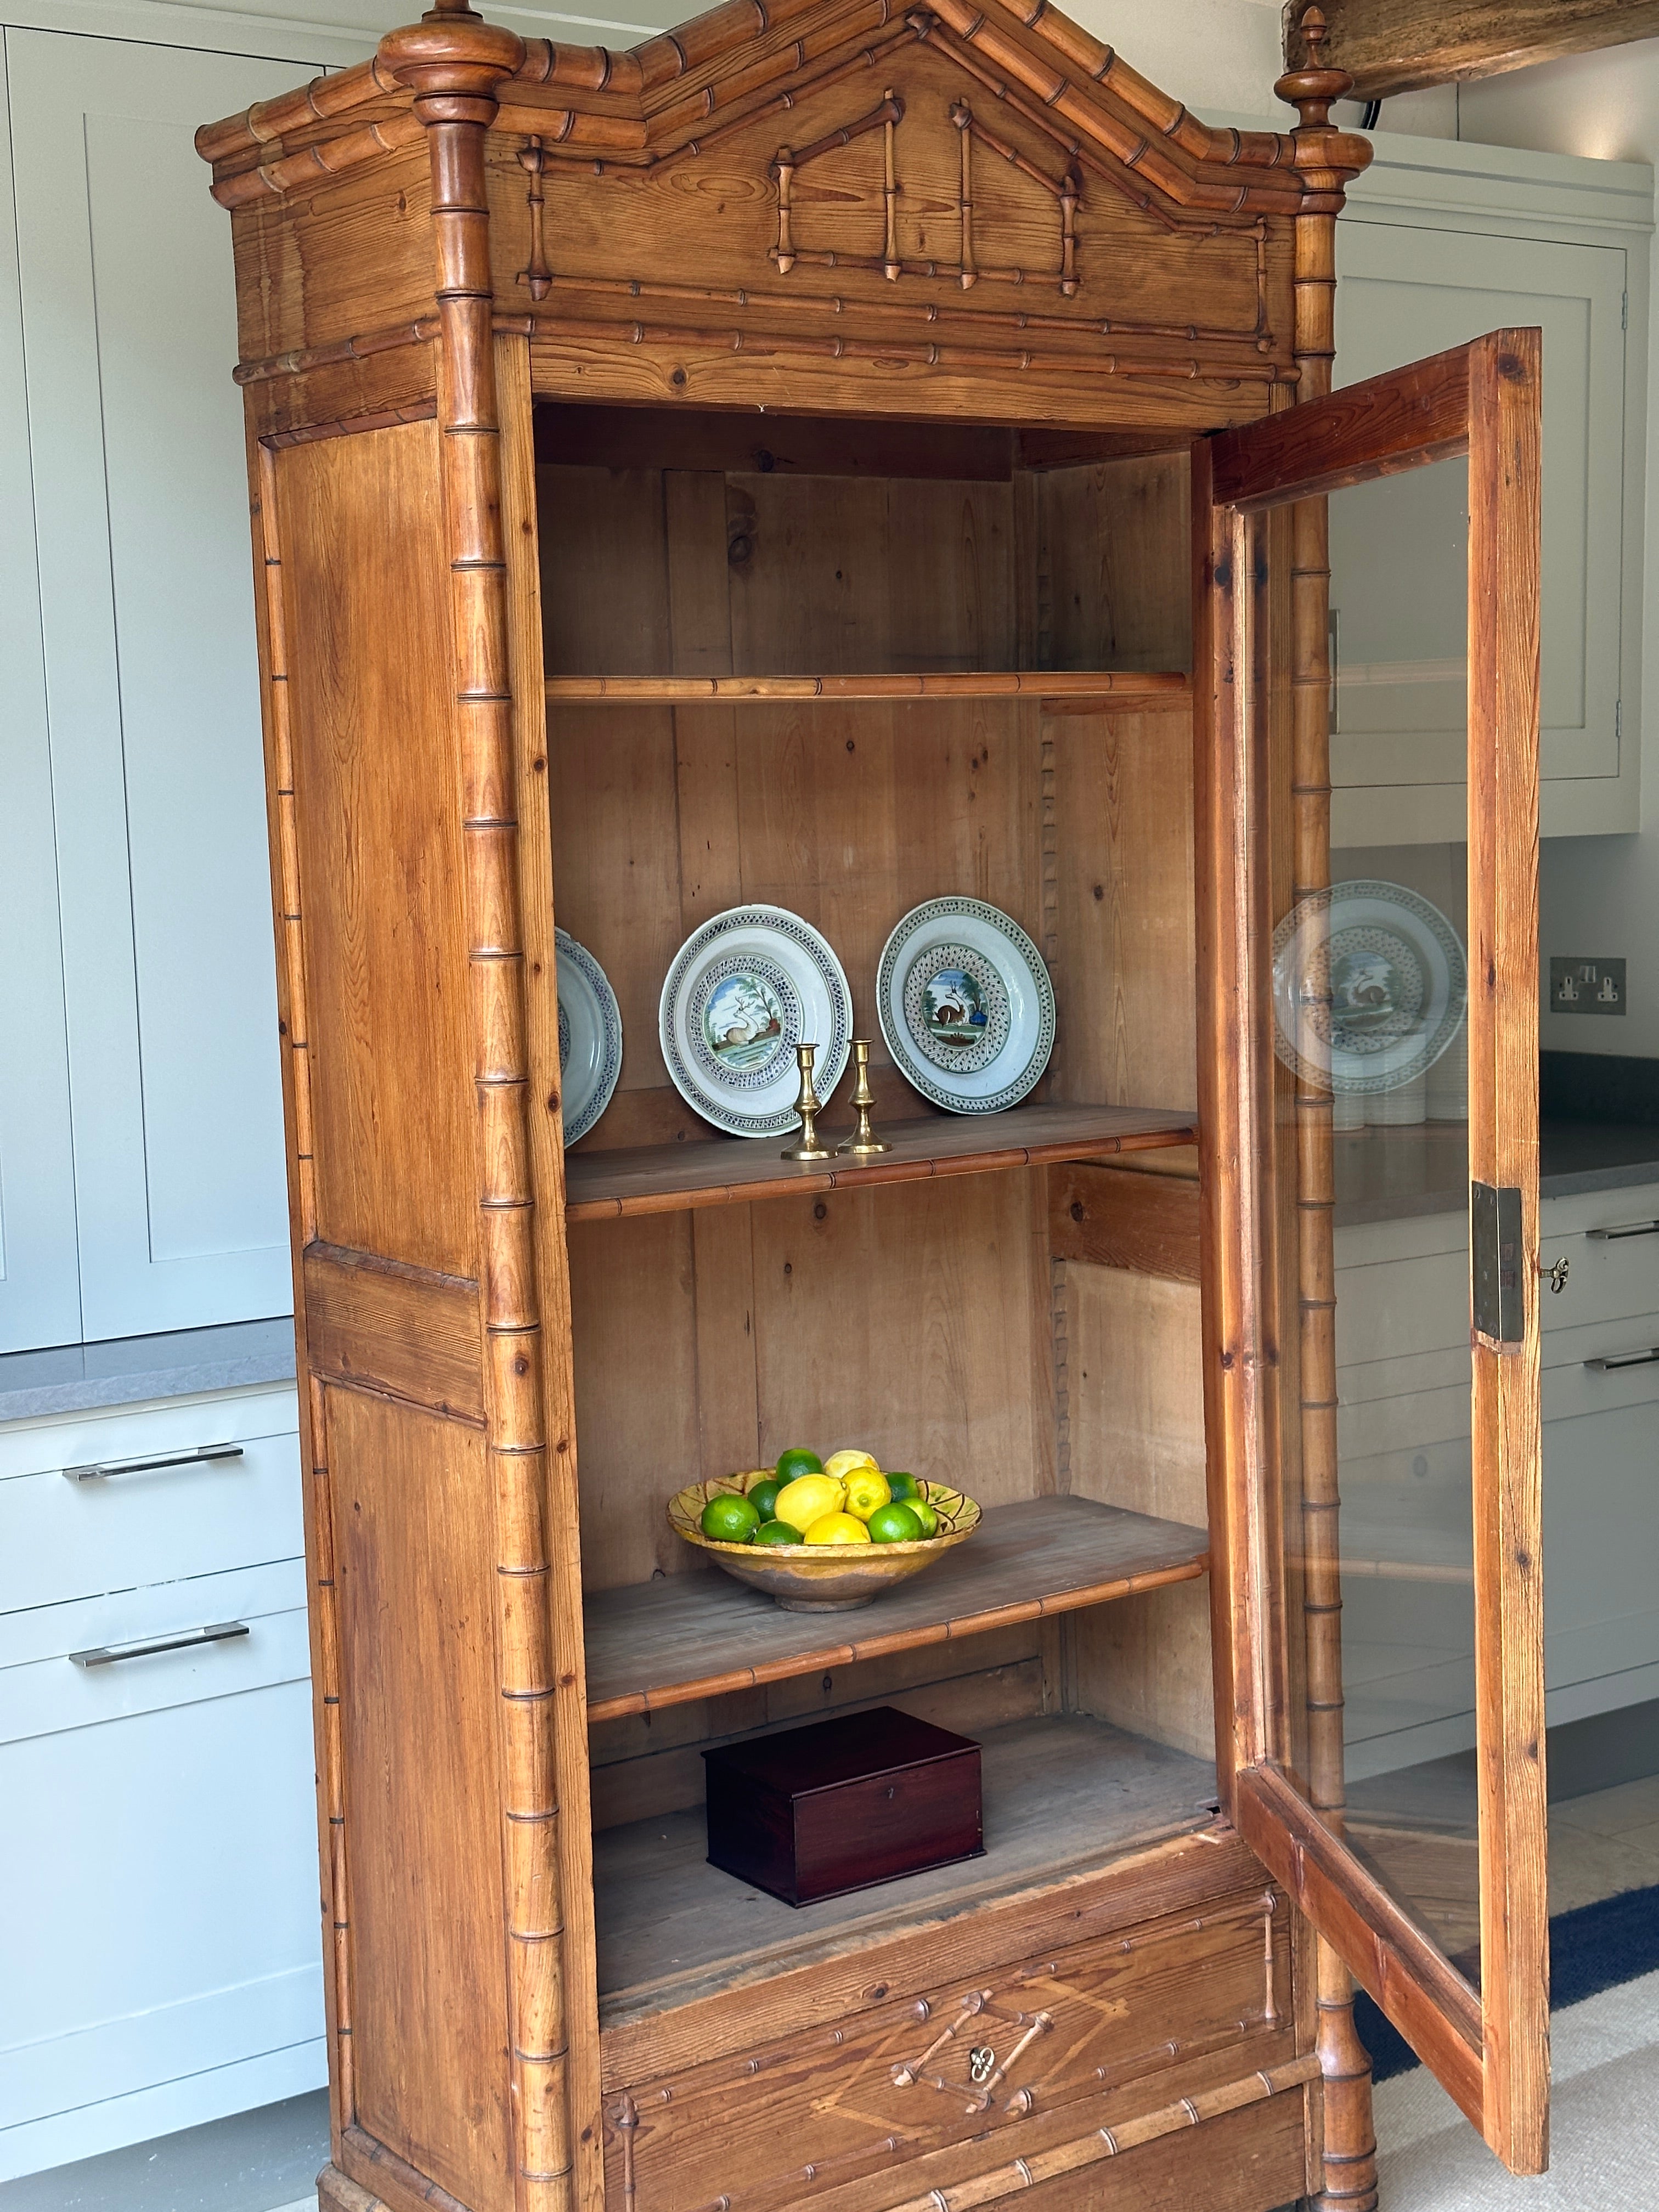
(864, 1144)
(809, 1106)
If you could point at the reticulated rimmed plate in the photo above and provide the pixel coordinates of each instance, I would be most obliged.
(823, 1577)
(1370, 987)
(965, 1004)
(590, 1037)
(741, 994)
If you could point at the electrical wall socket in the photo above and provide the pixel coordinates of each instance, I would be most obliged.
(1586, 987)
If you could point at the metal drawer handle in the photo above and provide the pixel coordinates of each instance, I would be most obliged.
(106, 1655)
(1630, 1229)
(1625, 1360)
(102, 1470)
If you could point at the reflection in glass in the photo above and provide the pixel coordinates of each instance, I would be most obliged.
(1369, 998)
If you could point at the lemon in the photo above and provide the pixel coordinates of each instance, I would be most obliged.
(837, 1528)
(840, 1465)
(807, 1499)
(866, 1492)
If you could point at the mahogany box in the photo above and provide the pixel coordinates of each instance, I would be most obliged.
(843, 1805)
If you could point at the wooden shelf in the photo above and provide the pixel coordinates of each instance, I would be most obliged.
(1164, 686)
(731, 1171)
(1061, 1793)
(700, 1635)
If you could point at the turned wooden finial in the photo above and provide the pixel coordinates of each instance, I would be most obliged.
(1311, 88)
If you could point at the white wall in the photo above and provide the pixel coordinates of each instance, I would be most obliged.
(1213, 54)
(1599, 895)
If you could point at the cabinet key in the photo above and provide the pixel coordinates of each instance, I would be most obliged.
(1556, 1276)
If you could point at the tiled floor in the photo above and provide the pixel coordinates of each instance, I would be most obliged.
(263, 2161)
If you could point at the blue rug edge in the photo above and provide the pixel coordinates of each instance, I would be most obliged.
(1593, 1947)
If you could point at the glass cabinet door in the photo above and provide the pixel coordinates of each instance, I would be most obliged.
(1369, 567)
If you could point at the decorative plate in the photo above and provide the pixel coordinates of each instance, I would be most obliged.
(1370, 987)
(823, 1577)
(965, 1004)
(590, 1037)
(742, 992)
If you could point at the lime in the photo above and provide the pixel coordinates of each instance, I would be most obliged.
(923, 1513)
(807, 1499)
(796, 1461)
(729, 1520)
(764, 1497)
(838, 1528)
(776, 1532)
(904, 1485)
(866, 1492)
(894, 1524)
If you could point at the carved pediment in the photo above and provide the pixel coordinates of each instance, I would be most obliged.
(885, 191)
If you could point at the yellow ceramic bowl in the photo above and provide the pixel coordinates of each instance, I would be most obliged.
(823, 1577)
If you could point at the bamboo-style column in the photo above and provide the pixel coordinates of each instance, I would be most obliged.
(453, 63)
(1350, 2145)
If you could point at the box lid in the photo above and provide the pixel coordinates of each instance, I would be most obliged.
(829, 1754)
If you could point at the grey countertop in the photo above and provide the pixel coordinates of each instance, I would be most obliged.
(77, 1378)
(1387, 1175)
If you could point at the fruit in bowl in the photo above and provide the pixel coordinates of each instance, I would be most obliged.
(823, 1535)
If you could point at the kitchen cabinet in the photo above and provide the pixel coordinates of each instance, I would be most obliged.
(656, 511)
(139, 1143)
(1437, 242)
(1403, 1358)
(168, 1968)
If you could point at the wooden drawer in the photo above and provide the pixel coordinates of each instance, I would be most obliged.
(937, 2083)
(62, 1538)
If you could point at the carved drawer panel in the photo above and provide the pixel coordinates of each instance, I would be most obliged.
(967, 2076)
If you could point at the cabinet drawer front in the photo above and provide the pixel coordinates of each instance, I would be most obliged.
(63, 1536)
(1033, 2054)
(70, 1666)
(169, 1864)
(1611, 1276)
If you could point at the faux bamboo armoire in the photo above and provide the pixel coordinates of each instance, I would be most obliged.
(839, 457)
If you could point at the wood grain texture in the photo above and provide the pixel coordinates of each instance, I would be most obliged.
(1114, 1218)
(378, 856)
(1400, 420)
(674, 1178)
(875, 2137)
(689, 690)
(417, 1692)
(545, 1117)
(379, 1326)
(702, 1635)
(1504, 492)
(1390, 1954)
(1390, 46)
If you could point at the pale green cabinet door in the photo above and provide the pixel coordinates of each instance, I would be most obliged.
(134, 434)
(1397, 585)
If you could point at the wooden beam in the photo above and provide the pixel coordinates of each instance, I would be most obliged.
(1405, 46)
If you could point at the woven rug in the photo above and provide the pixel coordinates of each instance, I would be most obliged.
(1604, 2103)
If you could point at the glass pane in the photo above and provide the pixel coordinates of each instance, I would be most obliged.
(1370, 998)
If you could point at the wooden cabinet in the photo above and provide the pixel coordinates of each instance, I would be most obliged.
(831, 461)
(139, 1134)
(168, 1970)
